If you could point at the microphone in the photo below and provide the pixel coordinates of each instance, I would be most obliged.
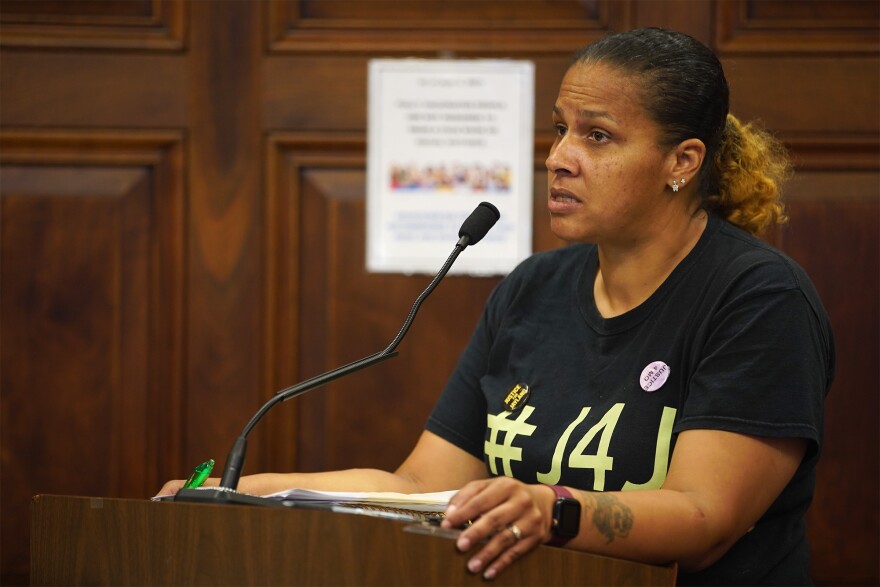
(472, 230)
(475, 226)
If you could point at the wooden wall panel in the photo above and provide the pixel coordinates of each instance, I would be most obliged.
(451, 27)
(155, 25)
(262, 204)
(289, 84)
(297, 269)
(92, 90)
(812, 26)
(371, 418)
(822, 96)
(89, 316)
(834, 233)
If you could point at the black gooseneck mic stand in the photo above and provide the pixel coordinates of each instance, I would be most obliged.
(472, 231)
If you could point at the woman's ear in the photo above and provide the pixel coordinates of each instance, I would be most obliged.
(687, 158)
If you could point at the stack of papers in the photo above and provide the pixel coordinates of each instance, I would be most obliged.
(416, 502)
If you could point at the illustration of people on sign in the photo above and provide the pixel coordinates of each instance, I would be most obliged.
(456, 177)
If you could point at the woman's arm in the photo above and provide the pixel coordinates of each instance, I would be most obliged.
(718, 485)
(433, 465)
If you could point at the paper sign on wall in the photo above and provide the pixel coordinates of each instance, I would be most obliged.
(445, 135)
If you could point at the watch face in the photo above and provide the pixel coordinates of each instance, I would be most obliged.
(568, 518)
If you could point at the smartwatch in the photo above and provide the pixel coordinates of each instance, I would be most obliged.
(566, 517)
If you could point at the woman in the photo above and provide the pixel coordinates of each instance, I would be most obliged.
(656, 395)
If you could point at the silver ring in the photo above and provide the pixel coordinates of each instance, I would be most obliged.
(517, 533)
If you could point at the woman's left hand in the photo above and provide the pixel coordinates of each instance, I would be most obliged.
(509, 519)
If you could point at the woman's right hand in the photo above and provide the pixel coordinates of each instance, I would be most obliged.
(257, 484)
(175, 485)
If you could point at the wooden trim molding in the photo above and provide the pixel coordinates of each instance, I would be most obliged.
(412, 28)
(161, 26)
(861, 153)
(781, 27)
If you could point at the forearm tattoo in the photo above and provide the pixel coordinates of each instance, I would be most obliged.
(610, 517)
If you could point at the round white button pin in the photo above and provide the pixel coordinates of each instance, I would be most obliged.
(654, 376)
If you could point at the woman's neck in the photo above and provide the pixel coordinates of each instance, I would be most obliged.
(628, 275)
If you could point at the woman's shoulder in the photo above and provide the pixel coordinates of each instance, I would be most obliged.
(747, 266)
(741, 255)
(545, 271)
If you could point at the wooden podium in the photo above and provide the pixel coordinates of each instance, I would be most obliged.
(102, 541)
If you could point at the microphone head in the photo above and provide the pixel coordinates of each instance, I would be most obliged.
(479, 222)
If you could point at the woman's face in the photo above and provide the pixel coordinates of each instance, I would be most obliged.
(607, 174)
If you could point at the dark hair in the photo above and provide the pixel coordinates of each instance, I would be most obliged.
(686, 93)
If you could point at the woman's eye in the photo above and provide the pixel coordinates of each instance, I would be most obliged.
(560, 130)
(598, 136)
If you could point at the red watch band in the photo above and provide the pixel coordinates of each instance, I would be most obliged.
(561, 491)
(563, 497)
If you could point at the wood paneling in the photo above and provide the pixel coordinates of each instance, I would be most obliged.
(812, 26)
(834, 233)
(346, 313)
(154, 25)
(183, 206)
(94, 90)
(89, 317)
(78, 545)
(289, 84)
(817, 98)
(450, 27)
(855, 153)
(224, 244)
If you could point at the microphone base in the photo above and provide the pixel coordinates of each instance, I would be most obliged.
(220, 497)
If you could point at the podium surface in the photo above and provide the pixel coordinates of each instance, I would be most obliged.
(104, 541)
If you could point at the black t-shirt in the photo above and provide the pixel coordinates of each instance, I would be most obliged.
(735, 339)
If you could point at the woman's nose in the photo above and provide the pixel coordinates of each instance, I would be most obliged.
(559, 160)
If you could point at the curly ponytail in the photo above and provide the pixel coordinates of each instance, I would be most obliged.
(749, 168)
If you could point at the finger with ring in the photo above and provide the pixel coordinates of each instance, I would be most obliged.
(517, 533)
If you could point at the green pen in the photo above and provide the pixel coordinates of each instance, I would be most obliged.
(199, 475)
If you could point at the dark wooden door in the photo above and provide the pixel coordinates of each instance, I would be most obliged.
(182, 209)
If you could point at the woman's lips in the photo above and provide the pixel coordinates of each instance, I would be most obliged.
(562, 201)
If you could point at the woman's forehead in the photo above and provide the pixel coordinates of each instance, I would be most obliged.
(597, 87)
